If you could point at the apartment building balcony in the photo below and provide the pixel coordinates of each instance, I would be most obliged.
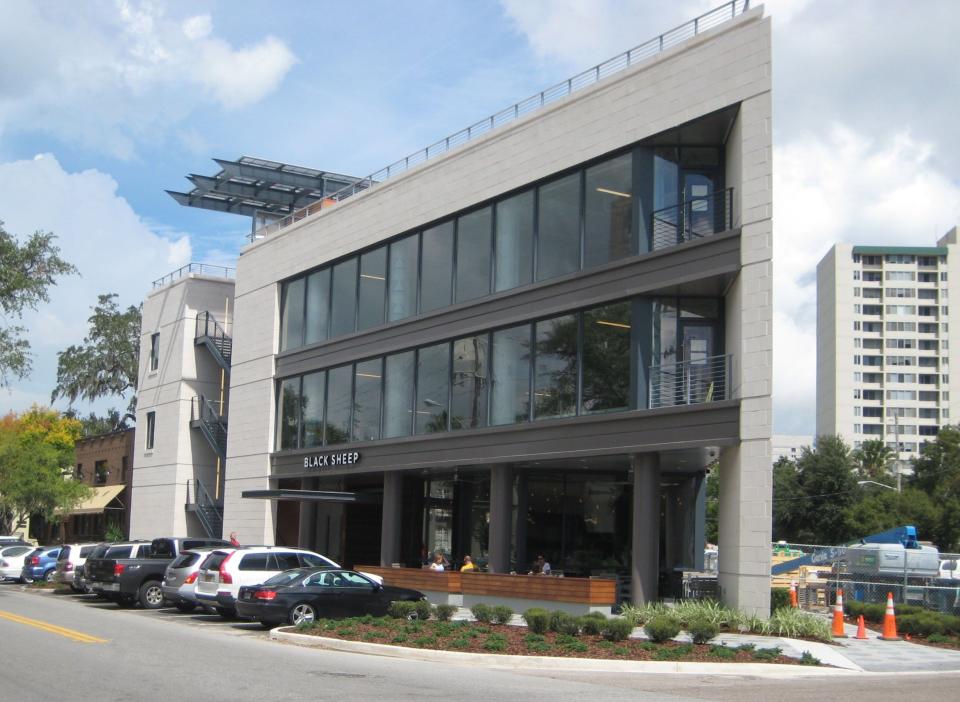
(692, 219)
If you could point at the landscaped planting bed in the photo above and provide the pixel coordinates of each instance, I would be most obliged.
(913, 622)
(560, 635)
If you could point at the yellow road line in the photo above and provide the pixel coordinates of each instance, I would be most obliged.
(53, 628)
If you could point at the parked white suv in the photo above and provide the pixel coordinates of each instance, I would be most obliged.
(71, 557)
(226, 570)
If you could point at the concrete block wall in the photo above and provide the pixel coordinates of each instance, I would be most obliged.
(160, 475)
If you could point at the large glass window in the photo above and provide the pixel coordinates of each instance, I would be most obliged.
(514, 244)
(510, 375)
(318, 306)
(558, 248)
(403, 278)
(373, 281)
(469, 396)
(398, 395)
(311, 409)
(433, 388)
(343, 315)
(291, 324)
(339, 400)
(606, 358)
(473, 254)
(289, 413)
(366, 402)
(555, 381)
(436, 278)
(609, 211)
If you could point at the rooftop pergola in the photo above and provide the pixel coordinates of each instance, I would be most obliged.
(261, 189)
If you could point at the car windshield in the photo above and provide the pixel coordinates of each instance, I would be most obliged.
(185, 560)
(286, 577)
(12, 551)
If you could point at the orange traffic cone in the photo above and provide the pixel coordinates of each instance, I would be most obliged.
(793, 594)
(837, 631)
(890, 621)
(861, 629)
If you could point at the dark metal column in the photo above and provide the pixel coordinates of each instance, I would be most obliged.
(645, 562)
(390, 526)
(307, 535)
(501, 517)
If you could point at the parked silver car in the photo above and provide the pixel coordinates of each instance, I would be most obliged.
(179, 580)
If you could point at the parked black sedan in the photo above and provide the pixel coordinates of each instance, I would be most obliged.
(305, 594)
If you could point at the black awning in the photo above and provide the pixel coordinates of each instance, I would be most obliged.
(309, 496)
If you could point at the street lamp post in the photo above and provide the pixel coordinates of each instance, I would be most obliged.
(874, 482)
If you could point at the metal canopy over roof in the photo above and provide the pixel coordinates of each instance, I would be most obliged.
(256, 187)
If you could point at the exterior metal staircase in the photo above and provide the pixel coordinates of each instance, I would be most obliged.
(209, 512)
(211, 423)
(209, 333)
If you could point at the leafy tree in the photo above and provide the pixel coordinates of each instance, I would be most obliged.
(879, 510)
(812, 507)
(937, 473)
(26, 273)
(36, 460)
(94, 425)
(107, 363)
(874, 460)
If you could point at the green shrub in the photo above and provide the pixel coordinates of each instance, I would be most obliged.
(621, 651)
(537, 619)
(564, 623)
(533, 638)
(423, 609)
(662, 628)
(399, 639)
(430, 641)
(606, 644)
(460, 643)
(538, 646)
(809, 659)
(921, 624)
(910, 609)
(306, 626)
(939, 638)
(501, 614)
(669, 653)
(482, 612)
(951, 624)
(577, 647)
(702, 630)
(563, 639)
(443, 628)
(372, 635)
(616, 629)
(331, 624)
(795, 623)
(347, 631)
(723, 652)
(779, 597)
(401, 609)
(874, 612)
(495, 643)
(591, 624)
(767, 654)
(853, 608)
(414, 626)
(648, 646)
(641, 614)
(748, 647)
(444, 612)
(688, 610)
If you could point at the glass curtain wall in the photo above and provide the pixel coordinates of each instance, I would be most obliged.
(404, 255)
(318, 306)
(558, 250)
(512, 351)
(436, 275)
(514, 242)
(468, 401)
(608, 215)
(474, 232)
(373, 279)
(433, 389)
(343, 313)
(398, 394)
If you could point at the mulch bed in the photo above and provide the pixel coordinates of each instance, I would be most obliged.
(471, 637)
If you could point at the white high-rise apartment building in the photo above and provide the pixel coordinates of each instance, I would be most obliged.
(884, 336)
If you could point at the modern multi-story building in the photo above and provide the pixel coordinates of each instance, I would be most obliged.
(789, 446)
(883, 343)
(531, 338)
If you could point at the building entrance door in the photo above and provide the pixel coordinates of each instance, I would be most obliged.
(700, 204)
(700, 381)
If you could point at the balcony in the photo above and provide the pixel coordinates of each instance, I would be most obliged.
(691, 220)
(690, 382)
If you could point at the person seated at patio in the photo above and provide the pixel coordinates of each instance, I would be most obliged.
(438, 563)
(468, 565)
(540, 566)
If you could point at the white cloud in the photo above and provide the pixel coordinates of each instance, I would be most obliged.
(108, 75)
(97, 231)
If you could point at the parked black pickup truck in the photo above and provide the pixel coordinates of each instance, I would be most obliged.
(135, 576)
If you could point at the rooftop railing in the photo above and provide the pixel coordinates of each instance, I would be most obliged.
(195, 269)
(648, 49)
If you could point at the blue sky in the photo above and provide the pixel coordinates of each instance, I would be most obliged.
(105, 104)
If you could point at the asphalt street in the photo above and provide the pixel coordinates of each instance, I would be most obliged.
(63, 646)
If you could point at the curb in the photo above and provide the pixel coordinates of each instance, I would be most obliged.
(502, 661)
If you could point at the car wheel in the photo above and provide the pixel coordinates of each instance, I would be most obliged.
(26, 579)
(150, 595)
(225, 613)
(302, 614)
(76, 589)
(185, 606)
(48, 576)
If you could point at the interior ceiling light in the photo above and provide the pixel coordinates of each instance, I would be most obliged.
(613, 192)
(368, 375)
(619, 325)
(372, 277)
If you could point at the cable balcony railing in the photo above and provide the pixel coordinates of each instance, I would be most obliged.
(197, 269)
(693, 382)
(692, 219)
(620, 62)
(208, 331)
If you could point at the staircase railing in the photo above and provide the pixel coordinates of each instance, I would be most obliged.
(212, 424)
(208, 510)
(209, 332)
